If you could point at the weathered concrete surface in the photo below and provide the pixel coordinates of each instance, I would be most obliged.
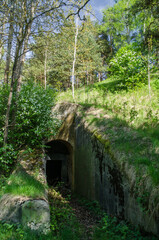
(29, 211)
(100, 174)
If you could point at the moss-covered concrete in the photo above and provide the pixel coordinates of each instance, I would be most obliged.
(102, 172)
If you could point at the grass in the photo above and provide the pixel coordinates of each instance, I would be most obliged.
(130, 119)
(64, 225)
(135, 106)
(20, 183)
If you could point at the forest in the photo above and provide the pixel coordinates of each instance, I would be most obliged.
(55, 51)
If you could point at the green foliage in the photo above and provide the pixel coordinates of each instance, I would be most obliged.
(128, 67)
(8, 157)
(4, 92)
(60, 52)
(64, 223)
(113, 229)
(12, 232)
(34, 121)
(65, 226)
(92, 206)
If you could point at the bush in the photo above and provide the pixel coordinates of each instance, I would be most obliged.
(34, 120)
(128, 67)
(33, 124)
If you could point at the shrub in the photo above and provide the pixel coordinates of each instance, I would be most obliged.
(33, 124)
(34, 120)
(128, 67)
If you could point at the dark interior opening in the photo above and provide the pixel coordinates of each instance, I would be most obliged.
(53, 171)
(58, 162)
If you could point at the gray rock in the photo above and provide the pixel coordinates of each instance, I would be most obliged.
(10, 208)
(36, 215)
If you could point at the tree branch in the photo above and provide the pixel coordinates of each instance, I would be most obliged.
(79, 9)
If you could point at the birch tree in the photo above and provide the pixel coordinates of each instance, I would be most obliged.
(26, 16)
(74, 60)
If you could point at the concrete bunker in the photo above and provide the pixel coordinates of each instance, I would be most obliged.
(59, 162)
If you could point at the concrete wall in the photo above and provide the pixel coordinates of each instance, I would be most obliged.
(99, 175)
(96, 176)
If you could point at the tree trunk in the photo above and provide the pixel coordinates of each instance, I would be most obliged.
(45, 69)
(127, 24)
(16, 72)
(148, 66)
(99, 77)
(87, 76)
(2, 39)
(74, 61)
(111, 45)
(23, 53)
(11, 94)
(9, 46)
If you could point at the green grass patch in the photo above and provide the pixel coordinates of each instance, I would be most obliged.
(22, 184)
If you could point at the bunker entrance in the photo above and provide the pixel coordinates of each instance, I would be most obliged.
(58, 162)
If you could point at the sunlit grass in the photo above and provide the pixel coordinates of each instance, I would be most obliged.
(130, 119)
(20, 183)
(134, 106)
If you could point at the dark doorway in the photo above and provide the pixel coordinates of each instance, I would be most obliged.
(59, 162)
(53, 171)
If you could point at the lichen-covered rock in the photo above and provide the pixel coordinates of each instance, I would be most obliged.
(21, 205)
(36, 215)
(10, 208)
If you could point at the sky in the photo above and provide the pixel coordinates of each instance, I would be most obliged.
(98, 5)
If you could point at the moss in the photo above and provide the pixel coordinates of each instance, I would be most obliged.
(105, 142)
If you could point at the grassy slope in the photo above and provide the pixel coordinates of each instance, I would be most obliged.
(25, 180)
(130, 119)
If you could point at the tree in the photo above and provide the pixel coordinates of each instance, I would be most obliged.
(117, 24)
(60, 55)
(74, 59)
(26, 17)
(147, 17)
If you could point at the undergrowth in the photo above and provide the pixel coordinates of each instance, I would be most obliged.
(65, 225)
